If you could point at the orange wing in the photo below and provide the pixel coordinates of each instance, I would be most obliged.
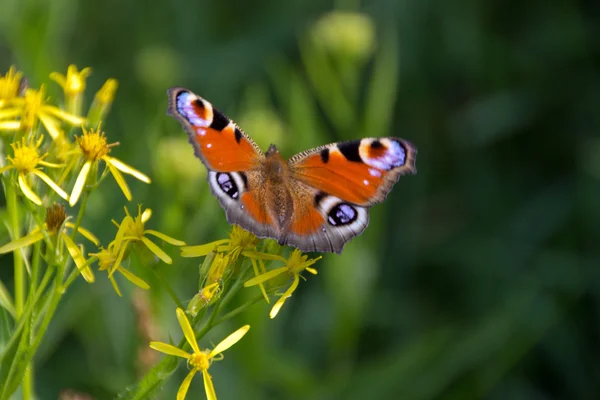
(218, 142)
(361, 172)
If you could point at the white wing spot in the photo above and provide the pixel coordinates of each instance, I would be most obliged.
(209, 145)
(366, 182)
(375, 172)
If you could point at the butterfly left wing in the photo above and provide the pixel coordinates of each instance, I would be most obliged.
(218, 142)
(340, 181)
(232, 158)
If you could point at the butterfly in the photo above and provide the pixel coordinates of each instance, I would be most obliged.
(316, 201)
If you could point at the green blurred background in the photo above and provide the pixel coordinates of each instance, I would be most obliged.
(477, 278)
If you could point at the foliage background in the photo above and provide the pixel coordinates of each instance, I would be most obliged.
(478, 278)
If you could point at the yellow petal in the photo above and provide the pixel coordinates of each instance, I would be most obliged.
(58, 78)
(208, 386)
(80, 183)
(168, 349)
(120, 181)
(33, 237)
(283, 298)
(146, 215)
(187, 330)
(185, 385)
(51, 183)
(202, 249)
(85, 233)
(27, 190)
(265, 277)
(158, 252)
(262, 256)
(49, 164)
(114, 283)
(164, 237)
(131, 277)
(126, 168)
(65, 116)
(6, 168)
(262, 287)
(120, 256)
(229, 341)
(51, 125)
(10, 125)
(10, 112)
(78, 258)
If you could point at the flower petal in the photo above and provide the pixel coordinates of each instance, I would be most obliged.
(202, 249)
(51, 183)
(265, 277)
(33, 237)
(146, 215)
(6, 168)
(120, 181)
(229, 341)
(126, 168)
(10, 112)
(185, 385)
(262, 256)
(51, 125)
(169, 349)
(158, 252)
(188, 332)
(164, 237)
(79, 259)
(85, 233)
(131, 277)
(114, 283)
(257, 273)
(283, 298)
(208, 386)
(65, 116)
(27, 191)
(10, 125)
(50, 165)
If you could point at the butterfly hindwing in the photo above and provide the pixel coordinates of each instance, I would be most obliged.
(218, 142)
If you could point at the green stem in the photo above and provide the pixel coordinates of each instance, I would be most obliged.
(12, 208)
(82, 207)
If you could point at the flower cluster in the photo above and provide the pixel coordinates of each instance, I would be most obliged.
(55, 157)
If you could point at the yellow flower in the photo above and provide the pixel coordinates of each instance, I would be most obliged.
(296, 263)
(133, 230)
(240, 242)
(9, 87)
(31, 108)
(56, 225)
(94, 148)
(73, 85)
(74, 82)
(26, 160)
(110, 260)
(199, 360)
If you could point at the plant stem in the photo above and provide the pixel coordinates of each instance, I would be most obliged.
(12, 208)
(168, 288)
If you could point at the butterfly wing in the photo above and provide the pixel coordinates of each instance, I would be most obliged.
(218, 142)
(231, 156)
(341, 181)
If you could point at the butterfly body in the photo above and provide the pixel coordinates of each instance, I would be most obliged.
(316, 201)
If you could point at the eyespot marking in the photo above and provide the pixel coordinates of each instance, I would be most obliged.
(342, 214)
(227, 185)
